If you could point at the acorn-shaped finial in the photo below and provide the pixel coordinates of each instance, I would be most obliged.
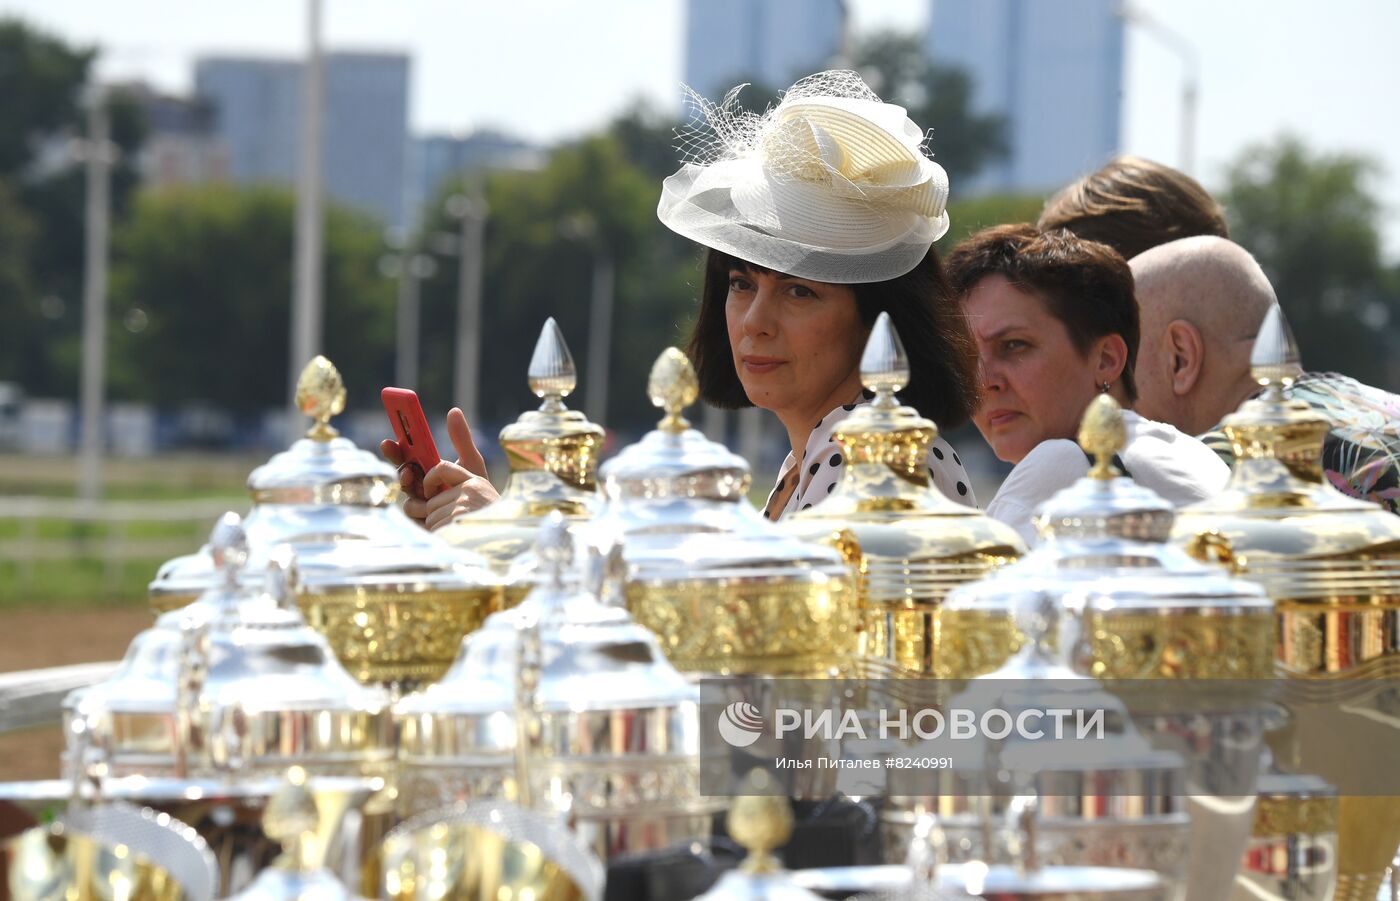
(1103, 434)
(290, 818)
(884, 366)
(552, 373)
(321, 395)
(1275, 362)
(673, 386)
(761, 823)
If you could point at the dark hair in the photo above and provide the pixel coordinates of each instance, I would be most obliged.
(1133, 204)
(942, 359)
(1086, 285)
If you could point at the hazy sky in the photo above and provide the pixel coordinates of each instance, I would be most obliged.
(1326, 71)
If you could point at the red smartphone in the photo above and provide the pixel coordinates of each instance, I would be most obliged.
(411, 428)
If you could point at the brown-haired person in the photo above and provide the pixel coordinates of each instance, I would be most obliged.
(1134, 204)
(1055, 323)
(818, 216)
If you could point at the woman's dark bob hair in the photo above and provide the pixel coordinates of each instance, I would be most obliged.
(922, 307)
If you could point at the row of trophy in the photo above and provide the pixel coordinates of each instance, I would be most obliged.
(509, 708)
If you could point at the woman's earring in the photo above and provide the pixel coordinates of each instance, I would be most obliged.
(1104, 388)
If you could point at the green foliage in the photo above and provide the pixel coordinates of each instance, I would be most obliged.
(1313, 223)
(211, 269)
(969, 216)
(938, 97)
(39, 79)
(539, 265)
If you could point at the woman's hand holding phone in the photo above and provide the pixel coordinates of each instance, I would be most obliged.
(450, 488)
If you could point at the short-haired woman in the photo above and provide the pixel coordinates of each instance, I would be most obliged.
(1055, 322)
(819, 215)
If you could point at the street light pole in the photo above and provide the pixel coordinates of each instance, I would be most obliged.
(595, 398)
(99, 154)
(306, 277)
(1176, 42)
(470, 269)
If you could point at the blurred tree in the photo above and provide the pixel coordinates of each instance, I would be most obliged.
(1313, 222)
(43, 81)
(40, 78)
(23, 310)
(969, 216)
(938, 97)
(535, 268)
(209, 269)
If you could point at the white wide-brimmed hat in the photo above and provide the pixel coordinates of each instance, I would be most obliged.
(831, 185)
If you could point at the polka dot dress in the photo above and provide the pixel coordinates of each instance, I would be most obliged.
(819, 469)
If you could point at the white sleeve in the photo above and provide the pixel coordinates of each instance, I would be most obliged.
(946, 470)
(1050, 467)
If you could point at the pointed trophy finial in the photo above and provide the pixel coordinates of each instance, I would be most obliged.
(673, 387)
(228, 545)
(884, 366)
(760, 823)
(321, 395)
(552, 373)
(1275, 362)
(1102, 434)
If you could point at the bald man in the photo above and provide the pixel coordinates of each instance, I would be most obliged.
(1201, 301)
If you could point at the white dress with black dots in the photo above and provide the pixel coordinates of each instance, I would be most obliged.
(819, 469)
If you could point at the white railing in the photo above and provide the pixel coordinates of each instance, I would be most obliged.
(115, 546)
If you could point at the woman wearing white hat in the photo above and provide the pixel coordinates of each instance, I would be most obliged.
(819, 215)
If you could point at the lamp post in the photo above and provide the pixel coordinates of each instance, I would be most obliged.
(307, 243)
(583, 227)
(410, 267)
(98, 154)
(472, 211)
(1191, 77)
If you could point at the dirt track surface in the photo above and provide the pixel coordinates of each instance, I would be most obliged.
(33, 639)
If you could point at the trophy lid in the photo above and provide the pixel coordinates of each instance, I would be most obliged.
(885, 480)
(263, 662)
(234, 654)
(761, 823)
(1278, 520)
(1103, 538)
(323, 467)
(679, 502)
(591, 656)
(335, 504)
(146, 679)
(553, 454)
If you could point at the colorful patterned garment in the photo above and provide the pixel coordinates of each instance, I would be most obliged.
(1361, 455)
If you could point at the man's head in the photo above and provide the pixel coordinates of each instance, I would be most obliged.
(1201, 302)
(1132, 205)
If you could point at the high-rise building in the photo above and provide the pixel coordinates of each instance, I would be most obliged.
(258, 111)
(433, 159)
(767, 42)
(1054, 70)
(180, 146)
